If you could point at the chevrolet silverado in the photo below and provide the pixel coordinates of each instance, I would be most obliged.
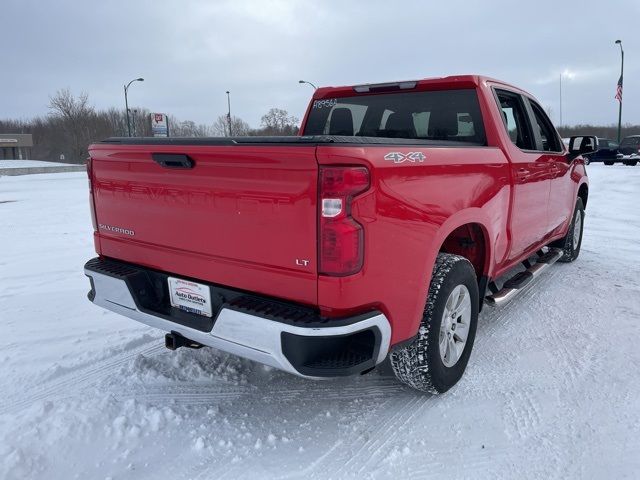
(378, 232)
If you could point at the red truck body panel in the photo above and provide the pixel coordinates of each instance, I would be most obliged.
(247, 214)
(237, 219)
(405, 224)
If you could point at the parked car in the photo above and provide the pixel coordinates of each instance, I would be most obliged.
(630, 150)
(379, 232)
(607, 152)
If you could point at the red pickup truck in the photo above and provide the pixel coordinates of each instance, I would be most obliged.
(380, 231)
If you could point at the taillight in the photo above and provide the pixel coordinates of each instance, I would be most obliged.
(88, 165)
(91, 204)
(341, 238)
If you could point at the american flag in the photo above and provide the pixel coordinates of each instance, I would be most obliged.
(619, 90)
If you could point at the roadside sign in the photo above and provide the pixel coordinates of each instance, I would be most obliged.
(159, 125)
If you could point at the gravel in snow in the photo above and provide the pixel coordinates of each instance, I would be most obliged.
(552, 389)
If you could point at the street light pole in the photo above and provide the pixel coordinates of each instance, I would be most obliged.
(619, 42)
(126, 101)
(560, 98)
(134, 111)
(309, 83)
(229, 112)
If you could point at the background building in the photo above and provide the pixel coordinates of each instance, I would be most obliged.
(15, 146)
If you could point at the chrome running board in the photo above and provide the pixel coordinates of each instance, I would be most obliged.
(523, 280)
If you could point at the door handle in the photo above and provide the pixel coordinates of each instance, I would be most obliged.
(173, 160)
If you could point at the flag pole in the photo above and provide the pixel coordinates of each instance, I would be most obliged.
(619, 92)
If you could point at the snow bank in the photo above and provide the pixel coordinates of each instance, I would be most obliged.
(31, 164)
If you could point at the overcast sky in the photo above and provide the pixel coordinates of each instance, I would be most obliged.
(191, 52)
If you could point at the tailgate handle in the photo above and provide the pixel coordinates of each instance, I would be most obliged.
(173, 160)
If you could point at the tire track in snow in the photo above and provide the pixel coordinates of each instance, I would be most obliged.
(384, 435)
(223, 472)
(383, 387)
(521, 415)
(194, 394)
(77, 379)
(378, 435)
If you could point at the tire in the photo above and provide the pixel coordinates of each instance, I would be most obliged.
(420, 364)
(587, 160)
(609, 163)
(571, 248)
(632, 163)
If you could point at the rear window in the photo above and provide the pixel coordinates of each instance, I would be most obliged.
(448, 115)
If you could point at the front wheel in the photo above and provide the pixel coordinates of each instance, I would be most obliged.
(437, 358)
(608, 163)
(572, 241)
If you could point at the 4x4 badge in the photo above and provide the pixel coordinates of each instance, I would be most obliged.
(398, 157)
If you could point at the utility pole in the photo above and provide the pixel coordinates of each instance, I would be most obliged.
(126, 101)
(229, 113)
(619, 89)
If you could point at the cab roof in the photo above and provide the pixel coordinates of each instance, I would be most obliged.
(435, 83)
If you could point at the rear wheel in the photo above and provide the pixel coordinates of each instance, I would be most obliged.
(572, 241)
(632, 163)
(608, 163)
(437, 358)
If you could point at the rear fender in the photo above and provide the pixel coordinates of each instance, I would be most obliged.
(463, 217)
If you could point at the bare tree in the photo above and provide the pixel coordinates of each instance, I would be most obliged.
(76, 118)
(239, 127)
(64, 104)
(187, 128)
(279, 122)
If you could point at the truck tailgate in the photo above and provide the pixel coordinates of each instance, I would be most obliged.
(243, 216)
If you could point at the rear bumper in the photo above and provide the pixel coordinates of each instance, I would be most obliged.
(284, 336)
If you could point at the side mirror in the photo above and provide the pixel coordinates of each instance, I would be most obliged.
(581, 145)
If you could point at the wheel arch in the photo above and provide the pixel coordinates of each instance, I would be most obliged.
(583, 193)
(468, 234)
(441, 243)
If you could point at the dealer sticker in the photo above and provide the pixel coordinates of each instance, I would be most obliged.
(190, 296)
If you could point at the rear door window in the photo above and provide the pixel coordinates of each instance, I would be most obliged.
(446, 115)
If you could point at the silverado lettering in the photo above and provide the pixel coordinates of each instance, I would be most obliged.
(110, 228)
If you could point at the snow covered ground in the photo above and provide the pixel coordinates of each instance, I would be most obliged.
(552, 389)
(30, 164)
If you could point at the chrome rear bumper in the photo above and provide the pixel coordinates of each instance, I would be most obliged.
(281, 345)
